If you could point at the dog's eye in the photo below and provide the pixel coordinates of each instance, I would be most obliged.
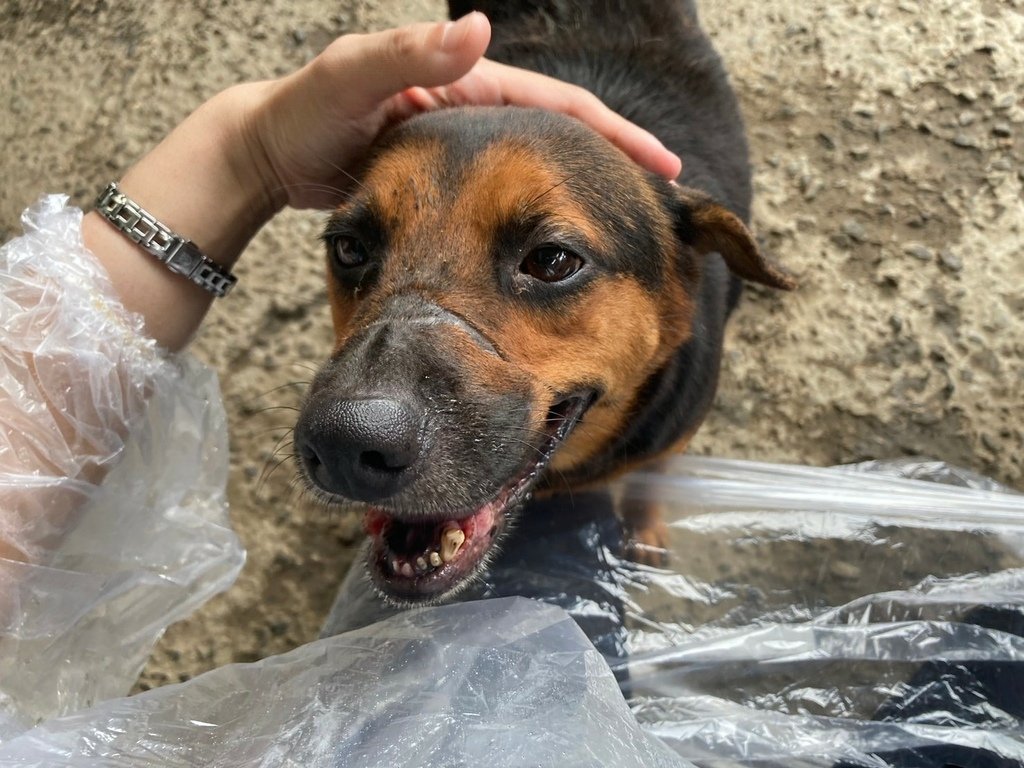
(349, 252)
(551, 263)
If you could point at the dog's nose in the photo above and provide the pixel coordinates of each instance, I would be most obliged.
(361, 449)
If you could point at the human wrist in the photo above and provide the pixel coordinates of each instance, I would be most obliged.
(201, 183)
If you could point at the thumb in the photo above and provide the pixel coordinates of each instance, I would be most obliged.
(428, 55)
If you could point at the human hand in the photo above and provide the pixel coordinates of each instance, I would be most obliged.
(221, 174)
(304, 130)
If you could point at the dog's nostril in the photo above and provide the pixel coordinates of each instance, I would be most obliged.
(378, 461)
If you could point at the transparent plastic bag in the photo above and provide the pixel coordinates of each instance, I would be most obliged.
(108, 538)
(818, 617)
(499, 684)
(856, 616)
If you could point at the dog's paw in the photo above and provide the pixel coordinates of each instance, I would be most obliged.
(647, 535)
(649, 546)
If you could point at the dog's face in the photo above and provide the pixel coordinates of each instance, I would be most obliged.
(502, 282)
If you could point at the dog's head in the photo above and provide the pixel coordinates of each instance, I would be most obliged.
(503, 282)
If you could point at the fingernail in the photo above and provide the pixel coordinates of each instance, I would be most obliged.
(667, 156)
(455, 32)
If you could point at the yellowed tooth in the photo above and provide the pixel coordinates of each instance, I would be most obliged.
(451, 542)
(435, 559)
(421, 563)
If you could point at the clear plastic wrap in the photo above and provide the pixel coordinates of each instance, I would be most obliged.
(817, 617)
(856, 616)
(499, 684)
(104, 539)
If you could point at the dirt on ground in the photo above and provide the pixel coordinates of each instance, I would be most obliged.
(888, 151)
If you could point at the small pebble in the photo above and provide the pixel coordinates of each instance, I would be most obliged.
(1005, 101)
(964, 141)
(1002, 130)
(918, 251)
(813, 188)
(859, 152)
(854, 230)
(299, 36)
(950, 260)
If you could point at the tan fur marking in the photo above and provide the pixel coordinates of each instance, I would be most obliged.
(613, 337)
(398, 185)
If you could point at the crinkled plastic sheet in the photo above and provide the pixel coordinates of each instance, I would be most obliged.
(824, 617)
(108, 539)
(804, 617)
(499, 684)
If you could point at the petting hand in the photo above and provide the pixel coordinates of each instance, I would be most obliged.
(308, 127)
(232, 164)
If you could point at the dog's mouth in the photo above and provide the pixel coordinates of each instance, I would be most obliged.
(428, 560)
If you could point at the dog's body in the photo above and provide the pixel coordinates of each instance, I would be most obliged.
(517, 305)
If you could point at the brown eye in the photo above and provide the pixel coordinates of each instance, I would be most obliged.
(551, 263)
(349, 252)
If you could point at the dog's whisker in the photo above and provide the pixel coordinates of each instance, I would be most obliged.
(276, 408)
(343, 172)
(280, 443)
(278, 388)
(266, 477)
(533, 201)
(340, 194)
(308, 367)
(269, 430)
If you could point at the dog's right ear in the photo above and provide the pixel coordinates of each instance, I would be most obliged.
(709, 227)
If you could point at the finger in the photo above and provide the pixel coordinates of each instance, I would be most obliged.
(493, 84)
(530, 89)
(380, 65)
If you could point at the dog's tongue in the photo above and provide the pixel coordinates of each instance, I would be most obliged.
(415, 548)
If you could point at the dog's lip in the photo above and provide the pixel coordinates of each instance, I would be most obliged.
(404, 555)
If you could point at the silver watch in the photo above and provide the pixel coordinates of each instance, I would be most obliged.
(178, 254)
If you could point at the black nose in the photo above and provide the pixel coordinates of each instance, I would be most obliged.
(360, 449)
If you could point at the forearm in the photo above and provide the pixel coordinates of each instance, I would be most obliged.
(75, 372)
(202, 183)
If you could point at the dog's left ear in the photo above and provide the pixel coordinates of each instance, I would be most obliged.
(709, 228)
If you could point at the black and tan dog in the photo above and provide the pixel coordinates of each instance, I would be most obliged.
(520, 308)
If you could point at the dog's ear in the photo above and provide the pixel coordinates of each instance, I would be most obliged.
(709, 228)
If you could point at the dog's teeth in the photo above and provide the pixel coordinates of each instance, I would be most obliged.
(407, 570)
(451, 542)
(396, 566)
(435, 559)
(421, 565)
